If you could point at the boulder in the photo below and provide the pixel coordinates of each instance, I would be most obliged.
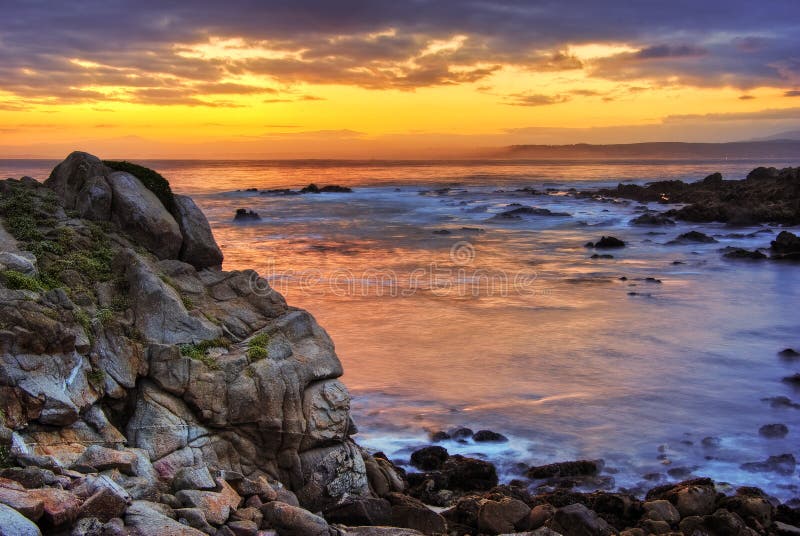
(429, 458)
(652, 218)
(104, 505)
(102, 459)
(487, 436)
(577, 520)
(695, 497)
(786, 246)
(783, 464)
(12, 523)
(60, 507)
(70, 176)
(504, 515)
(563, 469)
(362, 511)
(148, 519)
(94, 199)
(244, 215)
(411, 513)
(294, 521)
(773, 431)
(19, 261)
(199, 247)
(195, 518)
(215, 506)
(662, 510)
(141, 214)
(14, 495)
(198, 478)
(243, 528)
(609, 242)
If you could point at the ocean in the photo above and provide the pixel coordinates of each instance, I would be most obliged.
(445, 315)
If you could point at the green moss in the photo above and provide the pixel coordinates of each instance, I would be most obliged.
(5, 457)
(188, 303)
(120, 303)
(19, 281)
(200, 350)
(257, 347)
(104, 315)
(96, 377)
(152, 180)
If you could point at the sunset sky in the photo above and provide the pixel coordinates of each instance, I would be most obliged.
(374, 79)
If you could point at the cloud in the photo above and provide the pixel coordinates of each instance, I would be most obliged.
(792, 93)
(534, 99)
(98, 51)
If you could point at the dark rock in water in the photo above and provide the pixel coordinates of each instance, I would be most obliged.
(786, 246)
(279, 192)
(442, 232)
(784, 464)
(603, 256)
(695, 497)
(429, 458)
(773, 431)
(331, 188)
(517, 213)
(739, 253)
(794, 379)
(781, 402)
(652, 218)
(487, 436)
(573, 468)
(436, 437)
(469, 474)
(789, 352)
(589, 245)
(767, 195)
(693, 237)
(244, 215)
(608, 242)
(711, 442)
(461, 433)
(472, 230)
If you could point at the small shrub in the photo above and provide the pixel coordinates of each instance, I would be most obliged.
(200, 350)
(188, 303)
(19, 281)
(256, 353)
(104, 315)
(152, 180)
(257, 347)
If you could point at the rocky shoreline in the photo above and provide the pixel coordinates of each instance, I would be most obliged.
(145, 391)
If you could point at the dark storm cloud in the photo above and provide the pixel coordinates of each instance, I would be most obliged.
(383, 44)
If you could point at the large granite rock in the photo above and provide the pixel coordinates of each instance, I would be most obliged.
(70, 176)
(143, 217)
(199, 247)
(12, 523)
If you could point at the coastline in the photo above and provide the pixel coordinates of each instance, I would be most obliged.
(461, 517)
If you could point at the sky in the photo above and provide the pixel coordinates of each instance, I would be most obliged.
(389, 79)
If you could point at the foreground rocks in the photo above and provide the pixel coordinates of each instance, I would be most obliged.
(142, 387)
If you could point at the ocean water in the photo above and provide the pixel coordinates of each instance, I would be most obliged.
(445, 316)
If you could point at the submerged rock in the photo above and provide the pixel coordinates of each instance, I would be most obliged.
(245, 215)
(608, 242)
(331, 188)
(519, 212)
(786, 246)
(739, 253)
(693, 237)
(652, 218)
(773, 431)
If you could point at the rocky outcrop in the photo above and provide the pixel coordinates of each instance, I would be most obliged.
(199, 248)
(124, 369)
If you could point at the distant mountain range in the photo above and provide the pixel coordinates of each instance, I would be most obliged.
(779, 148)
(793, 135)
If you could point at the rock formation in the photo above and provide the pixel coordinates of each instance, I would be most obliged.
(127, 356)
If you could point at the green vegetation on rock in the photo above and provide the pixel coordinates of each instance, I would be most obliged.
(152, 180)
(19, 281)
(96, 377)
(199, 351)
(257, 347)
